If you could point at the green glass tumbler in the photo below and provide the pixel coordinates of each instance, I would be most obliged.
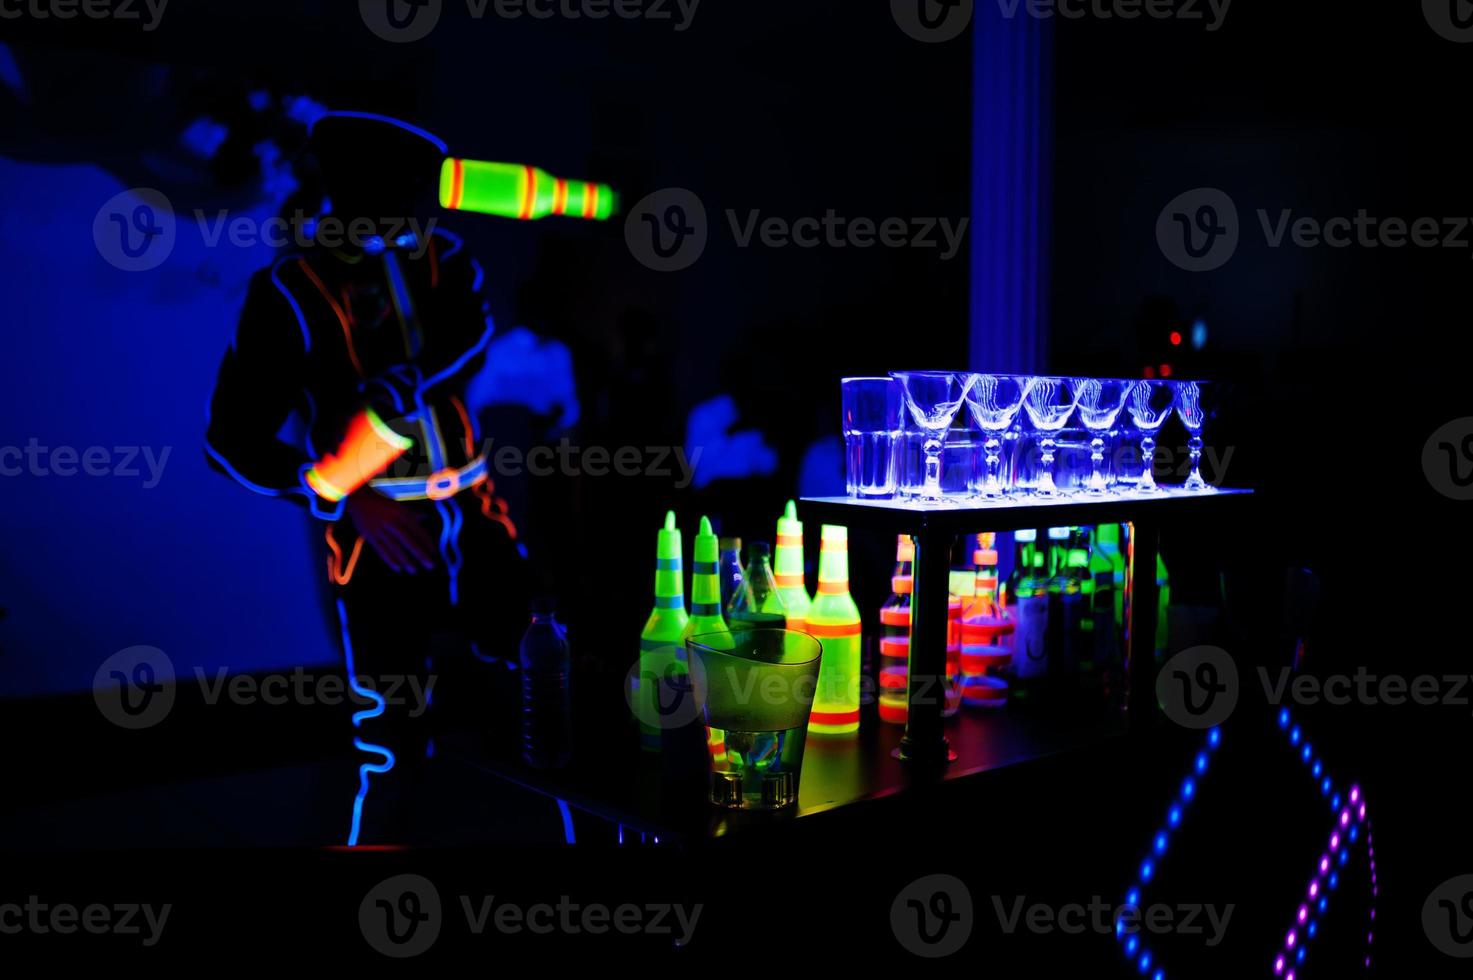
(756, 687)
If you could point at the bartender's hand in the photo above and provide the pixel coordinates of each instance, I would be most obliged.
(393, 530)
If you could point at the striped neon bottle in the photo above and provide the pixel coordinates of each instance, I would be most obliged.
(987, 635)
(705, 608)
(660, 645)
(895, 637)
(788, 569)
(834, 620)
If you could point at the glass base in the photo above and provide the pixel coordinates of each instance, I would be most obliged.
(770, 791)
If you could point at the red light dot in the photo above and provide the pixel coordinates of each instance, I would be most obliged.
(1175, 338)
(1166, 370)
(1150, 373)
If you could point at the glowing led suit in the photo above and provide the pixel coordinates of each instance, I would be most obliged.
(343, 390)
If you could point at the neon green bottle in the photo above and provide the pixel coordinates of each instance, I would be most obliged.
(788, 569)
(834, 620)
(705, 585)
(661, 650)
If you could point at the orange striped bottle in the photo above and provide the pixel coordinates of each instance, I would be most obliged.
(788, 569)
(834, 620)
(895, 637)
(987, 634)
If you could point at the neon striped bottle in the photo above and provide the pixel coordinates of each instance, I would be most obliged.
(834, 620)
(515, 190)
(661, 643)
(705, 609)
(705, 585)
(788, 569)
(987, 634)
(895, 637)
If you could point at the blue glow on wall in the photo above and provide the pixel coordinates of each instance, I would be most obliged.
(1012, 173)
(98, 357)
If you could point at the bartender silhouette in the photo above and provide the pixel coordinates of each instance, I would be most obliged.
(368, 346)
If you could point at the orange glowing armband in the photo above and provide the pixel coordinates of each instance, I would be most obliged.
(367, 450)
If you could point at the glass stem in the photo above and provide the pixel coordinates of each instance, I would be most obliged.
(1097, 465)
(1148, 461)
(993, 448)
(933, 468)
(1194, 449)
(1046, 486)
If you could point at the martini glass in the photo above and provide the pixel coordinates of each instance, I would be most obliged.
(1149, 405)
(932, 397)
(1100, 405)
(995, 400)
(1189, 410)
(1049, 402)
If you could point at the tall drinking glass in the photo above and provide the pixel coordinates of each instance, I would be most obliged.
(994, 401)
(1100, 405)
(757, 687)
(1149, 405)
(872, 416)
(1189, 410)
(1049, 403)
(933, 397)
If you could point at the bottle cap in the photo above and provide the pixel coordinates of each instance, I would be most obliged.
(789, 524)
(544, 605)
(759, 549)
(835, 535)
(731, 544)
(706, 543)
(1025, 534)
(1058, 534)
(668, 544)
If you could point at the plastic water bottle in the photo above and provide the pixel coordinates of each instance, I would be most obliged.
(547, 709)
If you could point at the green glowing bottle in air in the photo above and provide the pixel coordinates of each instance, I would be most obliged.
(834, 620)
(660, 645)
(515, 190)
(788, 570)
(705, 585)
